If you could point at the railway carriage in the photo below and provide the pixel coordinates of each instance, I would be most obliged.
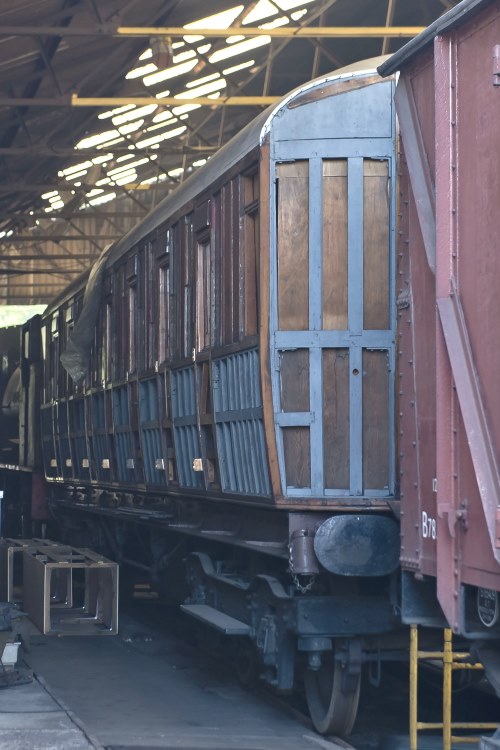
(248, 391)
(218, 392)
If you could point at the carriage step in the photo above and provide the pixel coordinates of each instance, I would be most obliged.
(218, 620)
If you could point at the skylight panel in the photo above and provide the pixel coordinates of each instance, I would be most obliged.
(131, 127)
(205, 90)
(182, 110)
(217, 21)
(74, 168)
(116, 111)
(159, 138)
(183, 56)
(135, 114)
(102, 159)
(282, 21)
(76, 175)
(141, 71)
(121, 139)
(172, 72)
(146, 55)
(97, 139)
(237, 49)
(126, 179)
(131, 165)
(236, 68)
(199, 81)
(289, 4)
(102, 199)
(263, 9)
(161, 125)
(165, 115)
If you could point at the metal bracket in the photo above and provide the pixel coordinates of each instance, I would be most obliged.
(351, 659)
(455, 516)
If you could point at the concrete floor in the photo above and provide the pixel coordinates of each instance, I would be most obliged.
(32, 719)
(146, 688)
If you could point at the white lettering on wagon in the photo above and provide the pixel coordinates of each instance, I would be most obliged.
(428, 526)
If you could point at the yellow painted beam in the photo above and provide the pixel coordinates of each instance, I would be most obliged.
(172, 101)
(283, 32)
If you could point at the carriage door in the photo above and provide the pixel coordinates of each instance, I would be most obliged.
(333, 321)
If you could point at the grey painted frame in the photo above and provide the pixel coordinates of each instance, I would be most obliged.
(354, 149)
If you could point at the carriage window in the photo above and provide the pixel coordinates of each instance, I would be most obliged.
(121, 325)
(187, 283)
(149, 346)
(175, 287)
(250, 260)
(132, 313)
(54, 356)
(204, 295)
(230, 262)
(163, 312)
(107, 368)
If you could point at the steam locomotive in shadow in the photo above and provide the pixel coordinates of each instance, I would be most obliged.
(240, 397)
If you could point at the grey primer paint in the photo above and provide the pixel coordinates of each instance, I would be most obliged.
(353, 125)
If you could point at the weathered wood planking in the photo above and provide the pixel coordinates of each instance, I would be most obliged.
(376, 427)
(376, 245)
(336, 418)
(335, 244)
(293, 246)
(294, 369)
(296, 441)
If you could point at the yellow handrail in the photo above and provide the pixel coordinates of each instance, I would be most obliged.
(450, 662)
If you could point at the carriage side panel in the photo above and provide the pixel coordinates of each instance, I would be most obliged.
(332, 315)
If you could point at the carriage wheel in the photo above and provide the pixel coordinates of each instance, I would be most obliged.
(332, 710)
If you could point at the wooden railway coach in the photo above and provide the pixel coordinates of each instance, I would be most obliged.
(227, 395)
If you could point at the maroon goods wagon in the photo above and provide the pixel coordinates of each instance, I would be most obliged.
(448, 104)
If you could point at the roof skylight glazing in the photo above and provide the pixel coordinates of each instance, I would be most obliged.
(195, 71)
